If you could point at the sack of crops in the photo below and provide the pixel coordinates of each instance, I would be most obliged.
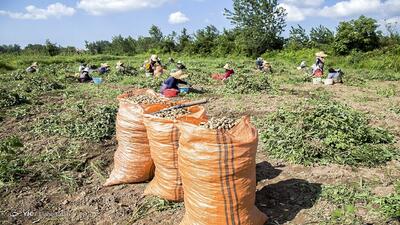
(218, 170)
(163, 135)
(132, 160)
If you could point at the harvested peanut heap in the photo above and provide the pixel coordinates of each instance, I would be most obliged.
(223, 123)
(172, 114)
(144, 99)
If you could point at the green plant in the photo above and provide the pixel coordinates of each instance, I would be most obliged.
(318, 131)
(11, 163)
(390, 205)
(80, 121)
(387, 92)
(11, 98)
(247, 83)
(149, 205)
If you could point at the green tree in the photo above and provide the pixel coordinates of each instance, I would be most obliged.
(298, 38)
(184, 41)
(98, 47)
(122, 46)
(321, 35)
(52, 48)
(205, 40)
(156, 34)
(225, 43)
(360, 34)
(259, 24)
(168, 43)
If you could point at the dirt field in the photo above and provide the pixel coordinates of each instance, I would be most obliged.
(287, 193)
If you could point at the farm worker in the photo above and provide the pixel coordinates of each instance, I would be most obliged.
(266, 67)
(82, 66)
(120, 67)
(318, 67)
(228, 72)
(104, 68)
(173, 80)
(84, 76)
(259, 63)
(152, 64)
(336, 75)
(127, 70)
(159, 70)
(302, 65)
(32, 68)
(180, 65)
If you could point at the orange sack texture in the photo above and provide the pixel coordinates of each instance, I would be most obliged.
(218, 171)
(163, 135)
(132, 160)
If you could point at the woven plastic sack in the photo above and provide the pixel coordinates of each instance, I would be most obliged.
(163, 135)
(218, 171)
(132, 160)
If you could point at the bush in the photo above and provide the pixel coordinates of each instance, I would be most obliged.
(326, 132)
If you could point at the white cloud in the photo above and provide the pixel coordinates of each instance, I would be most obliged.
(300, 10)
(304, 3)
(98, 7)
(296, 14)
(33, 13)
(351, 8)
(177, 18)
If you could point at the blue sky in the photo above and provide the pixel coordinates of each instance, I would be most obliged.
(71, 22)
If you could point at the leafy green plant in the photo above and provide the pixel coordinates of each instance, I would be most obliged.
(390, 205)
(11, 163)
(247, 83)
(317, 131)
(387, 92)
(11, 98)
(81, 121)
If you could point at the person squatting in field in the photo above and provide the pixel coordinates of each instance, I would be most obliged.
(228, 73)
(84, 75)
(104, 68)
(171, 83)
(154, 67)
(123, 69)
(318, 67)
(32, 68)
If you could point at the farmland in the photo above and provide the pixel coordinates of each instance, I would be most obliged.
(326, 155)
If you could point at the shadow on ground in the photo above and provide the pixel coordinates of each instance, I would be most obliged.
(266, 171)
(282, 201)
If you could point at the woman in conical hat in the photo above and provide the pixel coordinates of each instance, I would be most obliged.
(318, 67)
(175, 78)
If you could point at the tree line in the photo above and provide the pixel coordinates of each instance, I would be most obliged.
(257, 27)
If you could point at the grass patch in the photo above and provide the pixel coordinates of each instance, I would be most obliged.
(151, 204)
(325, 132)
(348, 198)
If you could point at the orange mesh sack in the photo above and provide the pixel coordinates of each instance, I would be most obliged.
(132, 161)
(163, 135)
(218, 171)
